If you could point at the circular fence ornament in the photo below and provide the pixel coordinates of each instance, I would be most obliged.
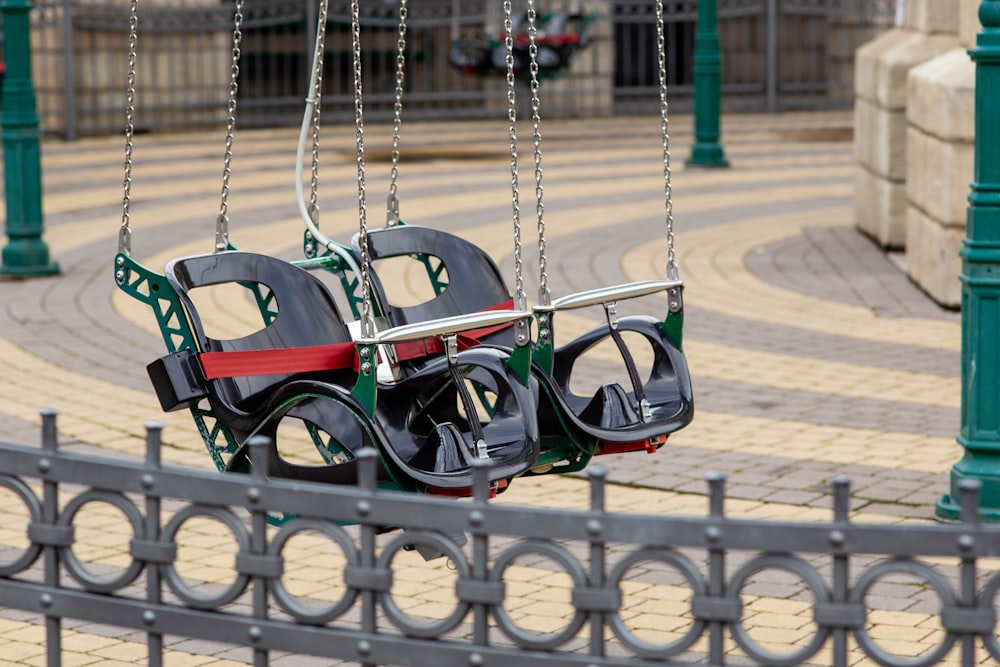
(289, 602)
(571, 567)
(812, 579)
(189, 596)
(401, 619)
(914, 569)
(34, 507)
(75, 568)
(694, 579)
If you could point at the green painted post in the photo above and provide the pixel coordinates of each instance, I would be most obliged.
(25, 253)
(980, 427)
(707, 151)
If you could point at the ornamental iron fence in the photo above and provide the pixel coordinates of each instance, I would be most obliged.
(777, 54)
(615, 571)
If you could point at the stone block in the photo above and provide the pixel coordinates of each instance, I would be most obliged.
(882, 65)
(941, 97)
(932, 259)
(939, 174)
(932, 16)
(880, 208)
(880, 139)
(968, 22)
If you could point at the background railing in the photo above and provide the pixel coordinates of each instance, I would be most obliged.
(701, 582)
(777, 54)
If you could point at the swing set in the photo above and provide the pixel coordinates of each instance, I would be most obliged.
(435, 387)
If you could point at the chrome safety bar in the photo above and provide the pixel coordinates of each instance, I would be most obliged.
(607, 294)
(444, 326)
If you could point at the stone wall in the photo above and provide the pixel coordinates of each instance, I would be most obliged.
(940, 146)
(880, 125)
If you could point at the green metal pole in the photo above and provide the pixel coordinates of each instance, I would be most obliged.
(980, 427)
(25, 253)
(707, 151)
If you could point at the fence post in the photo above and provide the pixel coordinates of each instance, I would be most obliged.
(25, 253)
(980, 415)
(707, 151)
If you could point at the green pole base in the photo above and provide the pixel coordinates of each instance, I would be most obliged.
(946, 509)
(980, 466)
(26, 258)
(707, 155)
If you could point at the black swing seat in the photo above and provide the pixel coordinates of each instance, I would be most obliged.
(294, 366)
(612, 414)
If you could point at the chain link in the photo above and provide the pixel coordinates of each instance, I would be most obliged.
(520, 300)
(367, 324)
(222, 223)
(544, 296)
(125, 234)
(672, 272)
(392, 205)
(317, 95)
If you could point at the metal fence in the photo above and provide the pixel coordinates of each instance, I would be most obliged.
(777, 54)
(713, 561)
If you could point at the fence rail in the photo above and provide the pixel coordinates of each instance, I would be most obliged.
(777, 54)
(714, 559)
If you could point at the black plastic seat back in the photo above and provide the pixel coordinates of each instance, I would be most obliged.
(474, 281)
(306, 316)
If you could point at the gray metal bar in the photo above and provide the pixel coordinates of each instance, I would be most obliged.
(154, 584)
(771, 76)
(603, 295)
(70, 70)
(444, 326)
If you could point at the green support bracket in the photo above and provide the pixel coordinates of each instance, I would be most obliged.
(25, 254)
(707, 151)
(980, 416)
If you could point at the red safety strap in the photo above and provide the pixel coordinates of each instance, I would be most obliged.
(337, 356)
(278, 361)
(429, 347)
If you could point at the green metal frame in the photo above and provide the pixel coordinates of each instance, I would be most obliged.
(152, 289)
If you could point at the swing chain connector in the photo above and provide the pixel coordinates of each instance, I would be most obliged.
(611, 311)
(222, 233)
(451, 348)
(673, 273)
(392, 210)
(675, 302)
(125, 240)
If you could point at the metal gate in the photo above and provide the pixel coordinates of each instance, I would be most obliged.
(777, 54)
(706, 574)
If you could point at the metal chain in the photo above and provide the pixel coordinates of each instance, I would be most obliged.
(520, 300)
(672, 272)
(317, 94)
(222, 223)
(392, 204)
(125, 234)
(544, 296)
(367, 324)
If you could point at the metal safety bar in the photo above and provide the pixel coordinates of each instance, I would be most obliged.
(603, 295)
(444, 326)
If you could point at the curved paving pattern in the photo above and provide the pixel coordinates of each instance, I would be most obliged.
(812, 354)
(793, 317)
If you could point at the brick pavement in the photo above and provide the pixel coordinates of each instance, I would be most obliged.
(812, 354)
